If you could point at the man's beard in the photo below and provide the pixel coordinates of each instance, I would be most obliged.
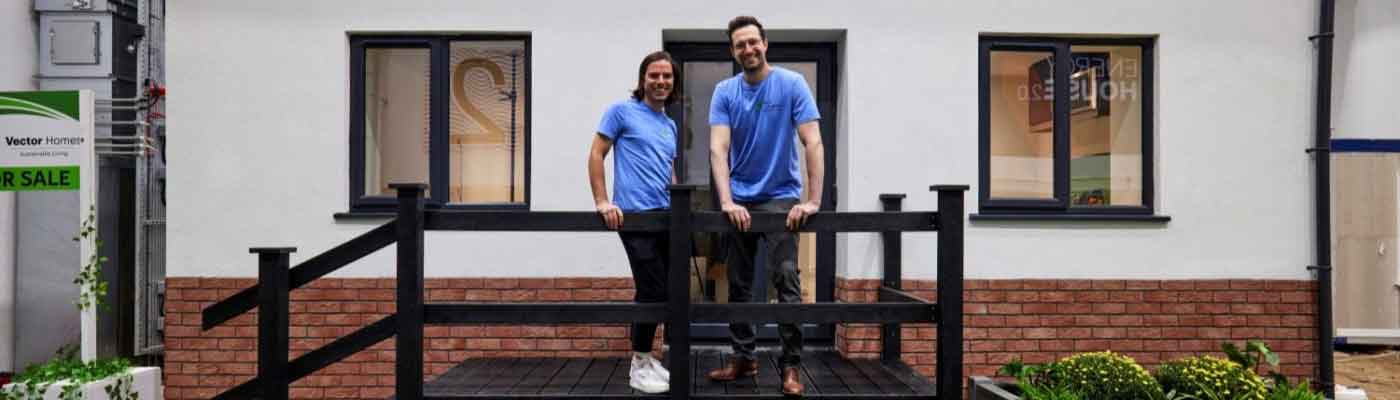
(756, 68)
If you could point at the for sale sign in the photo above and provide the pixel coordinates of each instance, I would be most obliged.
(46, 140)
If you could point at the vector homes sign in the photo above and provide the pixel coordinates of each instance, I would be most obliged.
(47, 139)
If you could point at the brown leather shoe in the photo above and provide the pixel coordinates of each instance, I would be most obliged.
(737, 367)
(792, 381)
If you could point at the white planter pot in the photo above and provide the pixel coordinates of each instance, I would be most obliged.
(145, 381)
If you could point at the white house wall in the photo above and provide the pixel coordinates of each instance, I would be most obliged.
(258, 119)
(18, 41)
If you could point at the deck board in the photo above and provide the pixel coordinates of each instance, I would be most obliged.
(824, 372)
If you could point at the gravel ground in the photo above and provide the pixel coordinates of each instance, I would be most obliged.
(1377, 373)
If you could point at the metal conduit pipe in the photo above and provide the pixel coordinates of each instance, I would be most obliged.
(1322, 155)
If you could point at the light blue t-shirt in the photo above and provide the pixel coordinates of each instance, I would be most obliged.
(763, 122)
(644, 146)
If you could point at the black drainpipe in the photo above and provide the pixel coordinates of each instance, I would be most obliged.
(1323, 191)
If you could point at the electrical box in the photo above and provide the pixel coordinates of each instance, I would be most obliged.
(75, 42)
(75, 46)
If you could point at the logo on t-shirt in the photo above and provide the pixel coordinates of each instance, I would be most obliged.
(758, 105)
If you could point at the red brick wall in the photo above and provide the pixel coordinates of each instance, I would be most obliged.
(1150, 320)
(1039, 320)
(200, 364)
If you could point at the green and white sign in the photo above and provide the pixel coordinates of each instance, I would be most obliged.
(46, 145)
(45, 139)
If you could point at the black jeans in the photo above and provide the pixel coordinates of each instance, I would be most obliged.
(781, 260)
(648, 253)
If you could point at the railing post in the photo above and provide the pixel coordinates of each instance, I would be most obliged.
(678, 290)
(408, 350)
(949, 377)
(889, 333)
(273, 338)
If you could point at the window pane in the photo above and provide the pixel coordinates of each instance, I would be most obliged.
(1106, 126)
(396, 118)
(487, 122)
(699, 78)
(1022, 125)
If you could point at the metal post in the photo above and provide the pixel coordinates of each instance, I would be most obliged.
(949, 371)
(408, 378)
(273, 338)
(890, 338)
(678, 290)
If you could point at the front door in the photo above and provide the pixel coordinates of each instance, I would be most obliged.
(702, 65)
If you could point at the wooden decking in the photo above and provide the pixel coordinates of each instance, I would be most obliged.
(825, 374)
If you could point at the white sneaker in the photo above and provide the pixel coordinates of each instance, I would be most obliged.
(646, 378)
(660, 369)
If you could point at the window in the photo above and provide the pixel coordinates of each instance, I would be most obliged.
(452, 111)
(1065, 126)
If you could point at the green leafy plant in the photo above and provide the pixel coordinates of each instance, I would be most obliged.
(1110, 376)
(91, 288)
(1091, 376)
(1210, 378)
(66, 367)
(1254, 357)
(1104, 375)
(1174, 395)
(1033, 382)
(1302, 391)
(1038, 392)
(1016, 369)
(121, 388)
(24, 391)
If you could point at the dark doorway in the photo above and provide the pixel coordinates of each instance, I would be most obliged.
(702, 65)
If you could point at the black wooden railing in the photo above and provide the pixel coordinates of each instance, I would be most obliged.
(275, 281)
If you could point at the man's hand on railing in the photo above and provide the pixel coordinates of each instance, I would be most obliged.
(738, 215)
(612, 216)
(799, 213)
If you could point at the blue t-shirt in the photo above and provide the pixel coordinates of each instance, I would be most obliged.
(644, 145)
(763, 122)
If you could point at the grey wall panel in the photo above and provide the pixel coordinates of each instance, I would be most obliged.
(46, 262)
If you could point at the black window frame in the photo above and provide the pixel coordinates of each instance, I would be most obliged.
(439, 161)
(1058, 207)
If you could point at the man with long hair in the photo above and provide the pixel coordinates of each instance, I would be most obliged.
(645, 139)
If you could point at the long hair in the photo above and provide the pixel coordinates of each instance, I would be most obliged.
(639, 92)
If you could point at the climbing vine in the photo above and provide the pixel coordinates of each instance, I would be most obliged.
(91, 288)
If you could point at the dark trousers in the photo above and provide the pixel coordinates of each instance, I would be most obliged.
(781, 267)
(648, 253)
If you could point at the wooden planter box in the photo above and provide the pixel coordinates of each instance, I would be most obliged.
(145, 381)
(984, 388)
